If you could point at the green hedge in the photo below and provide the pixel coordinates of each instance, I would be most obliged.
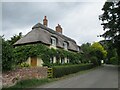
(59, 71)
(114, 61)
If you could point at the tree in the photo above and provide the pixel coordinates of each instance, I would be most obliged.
(98, 51)
(111, 23)
(93, 53)
(86, 48)
(15, 38)
(102, 53)
(7, 55)
(111, 50)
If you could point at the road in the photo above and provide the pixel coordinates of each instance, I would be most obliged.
(103, 77)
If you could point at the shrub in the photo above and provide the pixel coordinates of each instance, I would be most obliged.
(59, 71)
(114, 60)
(94, 60)
(24, 65)
(7, 56)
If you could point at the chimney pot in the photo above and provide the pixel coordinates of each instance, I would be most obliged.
(45, 21)
(45, 17)
(59, 29)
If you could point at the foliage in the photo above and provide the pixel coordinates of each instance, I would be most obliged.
(86, 48)
(100, 51)
(94, 60)
(59, 71)
(114, 60)
(111, 23)
(23, 52)
(94, 51)
(15, 38)
(7, 55)
(29, 83)
(24, 65)
(111, 50)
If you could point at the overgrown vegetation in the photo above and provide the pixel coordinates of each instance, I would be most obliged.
(27, 84)
(111, 52)
(59, 71)
(93, 53)
(44, 53)
(7, 55)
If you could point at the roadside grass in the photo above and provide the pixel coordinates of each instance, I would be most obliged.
(27, 84)
(32, 83)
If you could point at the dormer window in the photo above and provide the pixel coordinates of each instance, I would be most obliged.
(65, 45)
(53, 41)
(78, 49)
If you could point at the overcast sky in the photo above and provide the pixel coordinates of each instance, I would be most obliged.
(79, 20)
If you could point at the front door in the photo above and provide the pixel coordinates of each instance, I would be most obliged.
(33, 61)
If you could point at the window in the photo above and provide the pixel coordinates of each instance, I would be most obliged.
(68, 60)
(65, 45)
(51, 60)
(62, 60)
(78, 49)
(53, 41)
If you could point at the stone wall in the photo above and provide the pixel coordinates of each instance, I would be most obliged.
(10, 78)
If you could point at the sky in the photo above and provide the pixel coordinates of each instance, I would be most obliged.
(79, 20)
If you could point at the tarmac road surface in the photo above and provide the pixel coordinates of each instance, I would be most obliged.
(103, 77)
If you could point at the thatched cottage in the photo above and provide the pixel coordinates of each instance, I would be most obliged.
(41, 33)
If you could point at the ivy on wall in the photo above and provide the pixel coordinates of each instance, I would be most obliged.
(45, 53)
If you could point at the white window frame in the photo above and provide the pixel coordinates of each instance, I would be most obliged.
(62, 60)
(78, 49)
(68, 61)
(53, 41)
(65, 45)
(51, 59)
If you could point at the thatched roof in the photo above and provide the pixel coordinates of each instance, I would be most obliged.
(41, 33)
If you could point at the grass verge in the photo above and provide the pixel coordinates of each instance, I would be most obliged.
(27, 84)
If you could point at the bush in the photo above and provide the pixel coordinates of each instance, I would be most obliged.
(114, 60)
(7, 56)
(94, 60)
(59, 71)
(24, 65)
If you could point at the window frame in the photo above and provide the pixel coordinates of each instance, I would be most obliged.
(65, 45)
(51, 60)
(62, 60)
(53, 41)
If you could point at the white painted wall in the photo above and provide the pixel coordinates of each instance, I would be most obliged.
(28, 61)
(51, 46)
(65, 60)
(54, 60)
(39, 62)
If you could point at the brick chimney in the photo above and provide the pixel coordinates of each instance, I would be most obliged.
(45, 21)
(59, 29)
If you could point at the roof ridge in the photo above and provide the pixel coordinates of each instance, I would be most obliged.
(39, 25)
